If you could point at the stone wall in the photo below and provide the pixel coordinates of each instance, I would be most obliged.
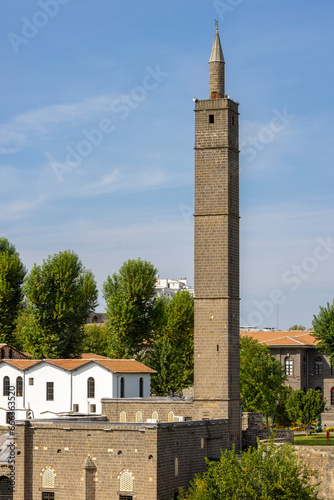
(320, 458)
(113, 407)
(252, 430)
(88, 458)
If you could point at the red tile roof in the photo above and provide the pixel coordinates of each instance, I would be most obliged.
(277, 338)
(113, 365)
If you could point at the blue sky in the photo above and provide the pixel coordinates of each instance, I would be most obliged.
(97, 136)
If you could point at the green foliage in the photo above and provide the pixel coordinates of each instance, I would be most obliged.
(12, 273)
(282, 416)
(130, 299)
(305, 407)
(60, 295)
(172, 353)
(95, 339)
(261, 378)
(323, 326)
(267, 473)
(299, 328)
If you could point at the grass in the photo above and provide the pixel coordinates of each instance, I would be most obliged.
(314, 440)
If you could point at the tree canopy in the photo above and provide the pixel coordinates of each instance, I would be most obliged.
(305, 407)
(323, 326)
(299, 328)
(12, 273)
(130, 299)
(172, 352)
(60, 295)
(261, 378)
(269, 472)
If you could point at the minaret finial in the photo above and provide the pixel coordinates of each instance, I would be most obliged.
(216, 25)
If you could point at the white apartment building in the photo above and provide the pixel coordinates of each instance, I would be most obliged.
(165, 287)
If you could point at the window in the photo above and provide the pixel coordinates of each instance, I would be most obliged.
(10, 416)
(170, 416)
(155, 415)
(126, 481)
(139, 417)
(332, 396)
(122, 417)
(19, 387)
(211, 118)
(141, 387)
(93, 408)
(76, 408)
(125, 497)
(2, 354)
(232, 120)
(49, 391)
(31, 381)
(317, 365)
(122, 391)
(48, 479)
(304, 366)
(6, 384)
(176, 466)
(288, 366)
(90, 388)
(6, 491)
(214, 95)
(48, 495)
(10, 354)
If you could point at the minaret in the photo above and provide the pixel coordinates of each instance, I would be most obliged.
(216, 385)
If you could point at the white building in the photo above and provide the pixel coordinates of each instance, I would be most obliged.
(53, 386)
(168, 288)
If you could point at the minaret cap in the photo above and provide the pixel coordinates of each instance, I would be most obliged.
(217, 52)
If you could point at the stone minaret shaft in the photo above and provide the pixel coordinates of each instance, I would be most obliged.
(216, 386)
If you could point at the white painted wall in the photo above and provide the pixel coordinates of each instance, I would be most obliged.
(70, 388)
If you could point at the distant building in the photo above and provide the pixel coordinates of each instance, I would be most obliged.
(165, 287)
(305, 367)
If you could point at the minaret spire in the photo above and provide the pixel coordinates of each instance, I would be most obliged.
(216, 69)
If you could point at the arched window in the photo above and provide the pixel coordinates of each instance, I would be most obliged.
(141, 387)
(122, 417)
(332, 396)
(171, 416)
(126, 482)
(122, 391)
(288, 365)
(139, 416)
(317, 365)
(10, 354)
(48, 479)
(176, 466)
(304, 366)
(90, 388)
(6, 384)
(6, 491)
(155, 415)
(19, 387)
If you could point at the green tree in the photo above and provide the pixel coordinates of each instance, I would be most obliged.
(269, 472)
(262, 378)
(12, 273)
(299, 328)
(130, 299)
(172, 352)
(60, 295)
(323, 326)
(95, 339)
(305, 407)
